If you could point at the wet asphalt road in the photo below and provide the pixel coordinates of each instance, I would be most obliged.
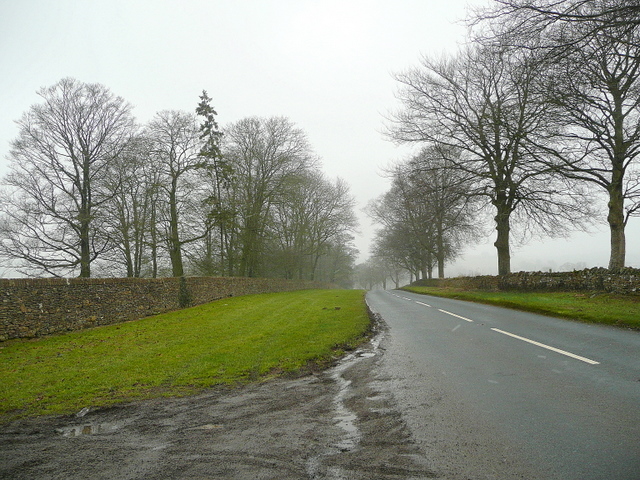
(495, 393)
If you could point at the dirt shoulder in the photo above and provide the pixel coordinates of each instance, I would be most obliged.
(336, 424)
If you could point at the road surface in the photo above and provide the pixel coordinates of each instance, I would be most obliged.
(489, 392)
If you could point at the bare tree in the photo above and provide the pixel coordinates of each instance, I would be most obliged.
(598, 88)
(176, 149)
(392, 247)
(264, 154)
(591, 74)
(427, 214)
(371, 273)
(431, 179)
(524, 22)
(332, 219)
(133, 182)
(485, 105)
(312, 214)
(63, 151)
(408, 234)
(337, 263)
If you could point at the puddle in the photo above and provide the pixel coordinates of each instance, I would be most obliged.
(345, 418)
(382, 411)
(89, 429)
(209, 426)
(378, 398)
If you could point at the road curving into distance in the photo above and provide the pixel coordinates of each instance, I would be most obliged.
(489, 392)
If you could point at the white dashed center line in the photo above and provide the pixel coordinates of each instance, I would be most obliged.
(553, 349)
(457, 316)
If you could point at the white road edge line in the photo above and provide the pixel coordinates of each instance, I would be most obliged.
(425, 304)
(553, 349)
(457, 316)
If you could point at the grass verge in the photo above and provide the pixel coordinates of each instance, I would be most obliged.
(226, 342)
(609, 309)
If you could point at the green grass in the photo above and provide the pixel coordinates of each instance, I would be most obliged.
(226, 342)
(618, 310)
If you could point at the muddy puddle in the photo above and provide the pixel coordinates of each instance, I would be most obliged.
(90, 429)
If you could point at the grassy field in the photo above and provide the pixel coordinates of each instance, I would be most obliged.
(619, 310)
(230, 341)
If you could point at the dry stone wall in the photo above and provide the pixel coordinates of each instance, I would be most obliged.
(37, 307)
(626, 281)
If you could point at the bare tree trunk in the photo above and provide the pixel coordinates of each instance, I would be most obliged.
(126, 247)
(248, 249)
(314, 268)
(84, 217)
(616, 226)
(252, 244)
(615, 215)
(440, 255)
(428, 268)
(85, 252)
(222, 250)
(85, 241)
(175, 253)
(175, 250)
(502, 240)
(154, 241)
(231, 261)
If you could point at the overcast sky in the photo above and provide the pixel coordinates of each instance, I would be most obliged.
(326, 65)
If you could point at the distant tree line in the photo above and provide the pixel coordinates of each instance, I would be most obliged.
(92, 192)
(532, 122)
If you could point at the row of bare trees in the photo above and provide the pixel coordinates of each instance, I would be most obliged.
(533, 118)
(90, 191)
(426, 216)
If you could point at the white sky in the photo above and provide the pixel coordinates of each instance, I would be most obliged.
(325, 64)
